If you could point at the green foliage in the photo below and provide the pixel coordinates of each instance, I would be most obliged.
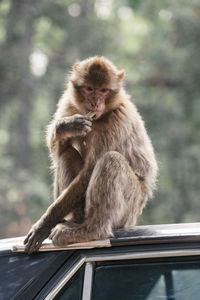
(157, 42)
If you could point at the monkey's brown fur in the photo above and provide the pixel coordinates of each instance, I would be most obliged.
(104, 163)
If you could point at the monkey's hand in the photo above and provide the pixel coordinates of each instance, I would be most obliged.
(35, 237)
(76, 125)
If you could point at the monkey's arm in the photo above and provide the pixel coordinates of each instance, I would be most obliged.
(58, 131)
(66, 202)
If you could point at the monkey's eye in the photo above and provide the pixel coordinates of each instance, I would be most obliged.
(103, 90)
(89, 88)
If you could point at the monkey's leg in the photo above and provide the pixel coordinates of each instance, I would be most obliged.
(68, 201)
(69, 164)
(113, 200)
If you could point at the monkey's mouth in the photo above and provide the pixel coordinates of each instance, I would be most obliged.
(94, 114)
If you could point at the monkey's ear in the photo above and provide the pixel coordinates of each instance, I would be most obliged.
(121, 75)
(76, 66)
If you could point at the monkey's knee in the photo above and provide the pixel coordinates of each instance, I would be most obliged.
(117, 188)
(111, 174)
(113, 156)
(112, 161)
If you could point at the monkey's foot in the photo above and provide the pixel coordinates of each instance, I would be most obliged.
(62, 235)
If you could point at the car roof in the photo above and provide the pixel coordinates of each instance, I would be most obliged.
(148, 234)
(23, 276)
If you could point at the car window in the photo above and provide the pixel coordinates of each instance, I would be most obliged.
(148, 281)
(23, 275)
(72, 290)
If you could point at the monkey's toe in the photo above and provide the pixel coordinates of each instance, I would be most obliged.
(59, 236)
(60, 240)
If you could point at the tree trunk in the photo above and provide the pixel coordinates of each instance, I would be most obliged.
(18, 81)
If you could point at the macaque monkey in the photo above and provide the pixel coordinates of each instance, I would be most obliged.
(103, 160)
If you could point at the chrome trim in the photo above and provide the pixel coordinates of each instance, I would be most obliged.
(121, 256)
(87, 284)
(145, 254)
(65, 279)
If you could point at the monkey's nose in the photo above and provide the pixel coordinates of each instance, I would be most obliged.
(94, 105)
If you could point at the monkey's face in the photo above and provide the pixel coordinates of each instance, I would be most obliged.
(94, 99)
(96, 82)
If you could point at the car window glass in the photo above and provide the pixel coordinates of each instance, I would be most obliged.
(26, 274)
(73, 289)
(150, 281)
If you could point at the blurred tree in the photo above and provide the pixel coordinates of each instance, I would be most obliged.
(157, 42)
(14, 69)
(171, 77)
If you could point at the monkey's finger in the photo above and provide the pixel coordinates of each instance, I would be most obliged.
(91, 115)
(27, 237)
(33, 245)
(79, 125)
(52, 236)
(52, 233)
(29, 245)
(37, 245)
(87, 122)
(87, 129)
(83, 117)
(83, 129)
(84, 121)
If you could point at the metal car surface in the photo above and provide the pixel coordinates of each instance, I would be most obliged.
(138, 263)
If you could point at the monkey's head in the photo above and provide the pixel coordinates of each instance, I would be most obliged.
(96, 82)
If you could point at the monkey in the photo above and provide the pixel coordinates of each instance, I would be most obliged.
(103, 159)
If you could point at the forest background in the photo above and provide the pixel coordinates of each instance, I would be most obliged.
(157, 42)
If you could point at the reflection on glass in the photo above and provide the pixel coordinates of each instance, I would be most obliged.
(148, 281)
